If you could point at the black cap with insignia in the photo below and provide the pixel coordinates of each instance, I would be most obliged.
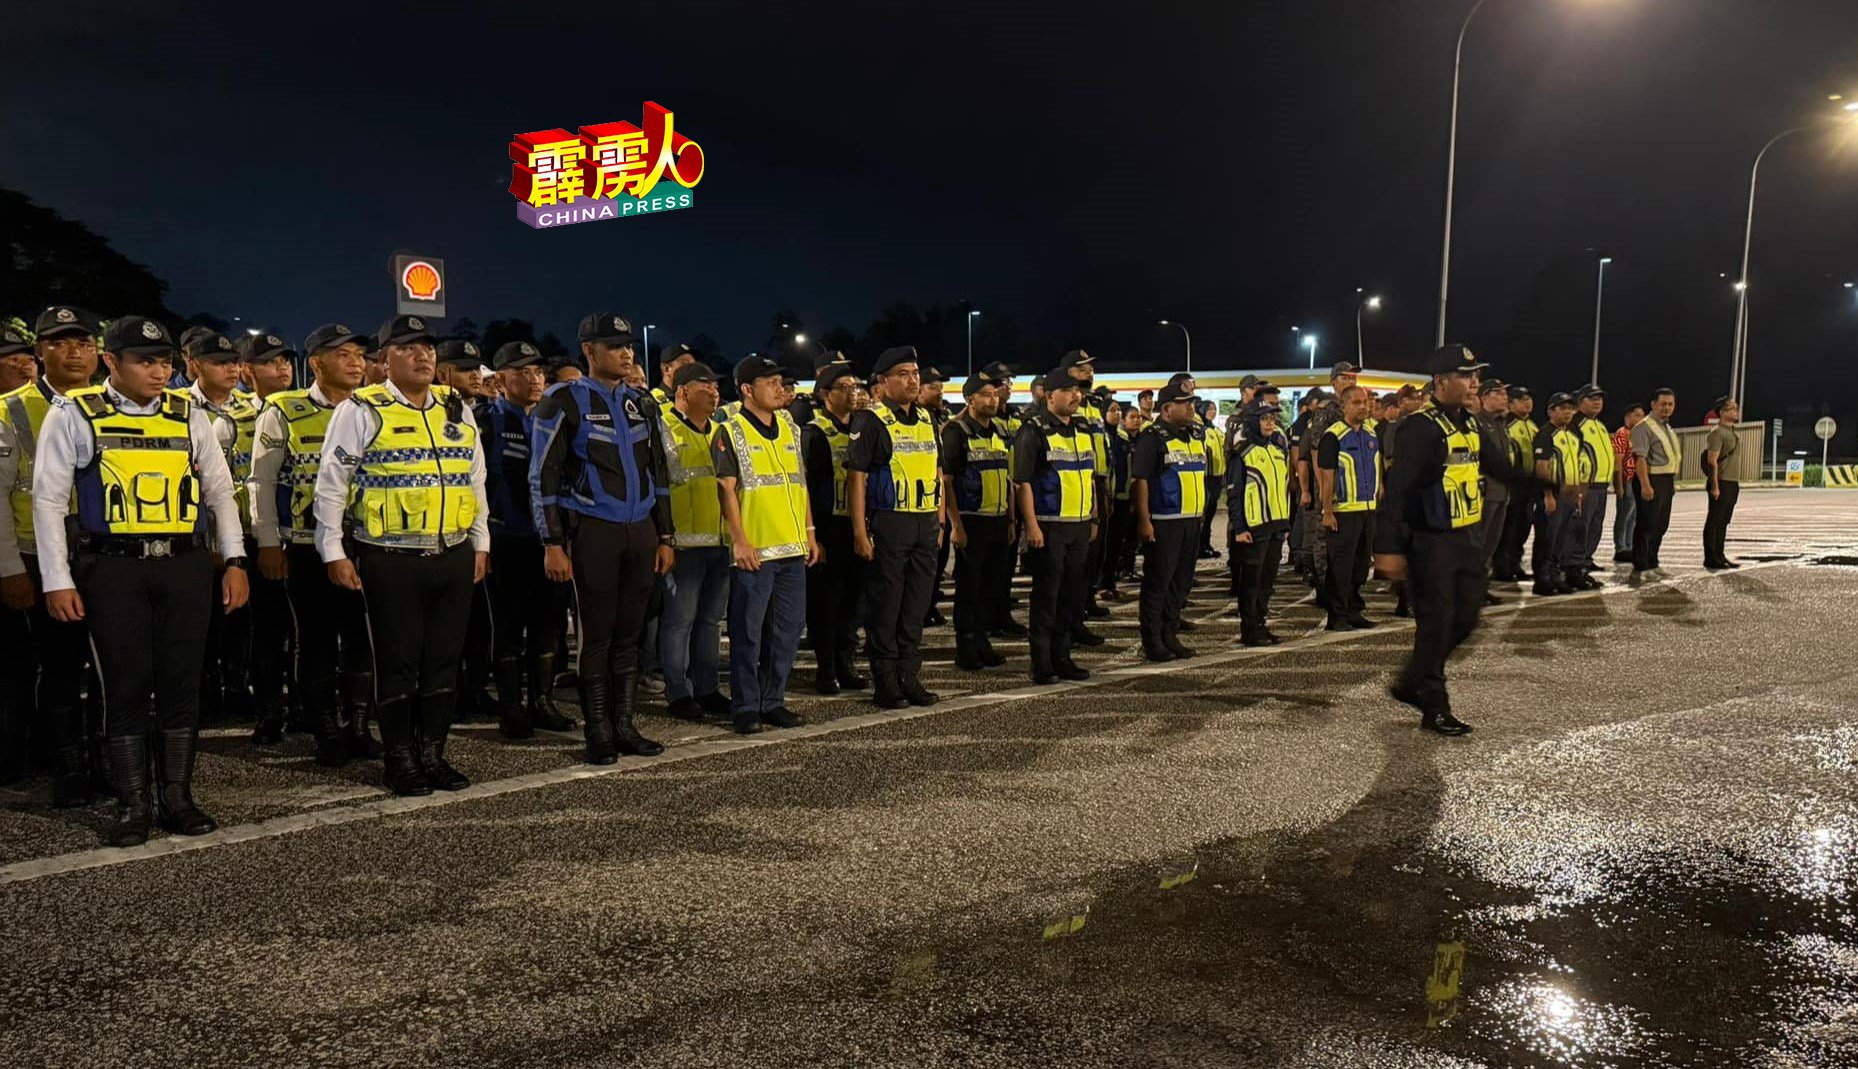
(608, 327)
(1454, 360)
(461, 353)
(1075, 358)
(211, 346)
(998, 371)
(258, 348)
(331, 336)
(64, 319)
(515, 354)
(12, 341)
(894, 357)
(404, 330)
(137, 336)
(695, 371)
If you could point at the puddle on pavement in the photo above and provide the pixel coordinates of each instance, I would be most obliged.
(1832, 560)
(1359, 945)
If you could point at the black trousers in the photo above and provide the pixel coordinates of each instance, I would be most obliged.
(1493, 529)
(269, 611)
(527, 609)
(1168, 574)
(148, 622)
(1060, 586)
(983, 574)
(418, 608)
(833, 588)
(1255, 571)
(613, 584)
(474, 659)
(1654, 519)
(64, 665)
(898, 585)
(1445, 581)
(334, 653)
(18, 676)
(1350, 550)
(1518, 521)
(1215, 485)
(1118, 530)
(1716, 526)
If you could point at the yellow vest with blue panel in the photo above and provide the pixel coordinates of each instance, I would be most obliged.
(696, 512)
(242, 412)
(911, 483)
(1065, 489)
(143, 479)
(983, 487)
(1267, 483)
(1357, 467)
(24, 410)
(839, 443)
(306, 424)
(1180, 492)
(770, 486)
(412, 489)
(1459, 500)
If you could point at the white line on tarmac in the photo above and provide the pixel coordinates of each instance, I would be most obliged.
(104, 857)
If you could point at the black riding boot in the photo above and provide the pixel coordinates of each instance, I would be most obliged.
(847, 671)
(889, 693)
(597, 719)
(358, 692)
(512, 718)
(543, 712)
(126, 758)
(179, 814)
(400, 772)
(967, 653)
(825, 672)
(71, 779)
(331, 740)
(435, 721)
(625, 704)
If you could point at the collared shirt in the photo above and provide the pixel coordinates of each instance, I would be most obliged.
(223, 426)
(1622, 453)
(270, 448)
(351, 431)
(1655, 444)
(67, 444)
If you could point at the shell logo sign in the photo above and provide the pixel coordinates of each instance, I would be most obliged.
(419, 285)
(610, 170)
(421, 281)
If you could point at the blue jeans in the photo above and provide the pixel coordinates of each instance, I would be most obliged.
(696, 595)
(767, 613)
(1593, 509)
(1625, 514)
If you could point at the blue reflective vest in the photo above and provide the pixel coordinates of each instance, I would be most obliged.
(505, 429)
(603, 478)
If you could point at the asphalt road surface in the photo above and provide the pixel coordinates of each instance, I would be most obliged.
(1644, 856)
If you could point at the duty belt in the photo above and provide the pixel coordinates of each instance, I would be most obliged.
(136, 546)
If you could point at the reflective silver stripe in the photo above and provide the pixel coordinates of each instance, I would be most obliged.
(1067, 519)
(409, 541)
(911, 445)
(1067, 454)
(696, 539)
(22, 426)
(786, 549)
(762, 482)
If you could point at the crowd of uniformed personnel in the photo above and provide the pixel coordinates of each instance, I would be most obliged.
(418, 529)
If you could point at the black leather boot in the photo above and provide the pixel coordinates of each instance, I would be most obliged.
(543, 712)
(826, 674)
(1154, 649)
(625, 706)
(912, 687)
(178, 812)
(400, 769)
(126, 761)
(597, 719)
(435, 722)
(358, 695)
(512, 717)
(1173, 642)
(71, 778)
(331, 738)
(985, 646)
(889, 694)
(967, 655)
(1042, 672)
(1062, 663)
(847, 671)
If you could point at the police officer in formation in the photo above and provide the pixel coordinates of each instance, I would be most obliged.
(1558, 527)
(1519, 518)
(979, 488)
(1259, 513)
(835, 585)
(1055, 466)
(1493, 413)
(1168, 487)
(696, 600)
(894, 486)
(1598, 467)
(1348, 475)
(155, 519)
(401, 517)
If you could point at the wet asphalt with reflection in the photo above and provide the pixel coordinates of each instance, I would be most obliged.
(1644, 856)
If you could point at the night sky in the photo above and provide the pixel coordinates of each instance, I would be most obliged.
(1080, 169)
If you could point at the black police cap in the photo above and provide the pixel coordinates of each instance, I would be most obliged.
(1519, 393)
(1060, 379)
(755, 367)
(933, 374)
(1343, 368)
(827, 377)
(138, 336)
(695, 371)
(513, 354)
(461, 353)
(62, 319)
(404, 330)
(894, 357)
(1558, 399)
(1172, 392)
(209, 345)
(1454, 360)
(332, 336)
(1589, 390)
(1489, 386)
(999, 371)
(609, 327)
(1076, 358)
(12, 341)
(676, 351)
(257, 348)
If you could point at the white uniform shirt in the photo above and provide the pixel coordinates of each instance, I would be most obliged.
(351, 431)
(66, 444)
(270, 448)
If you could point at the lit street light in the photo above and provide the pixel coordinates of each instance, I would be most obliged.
(799, 339)
(1309, 340)
(1187, 337)
(1372, 304)
(1451, 171)
(1598, 295)
(972, 312)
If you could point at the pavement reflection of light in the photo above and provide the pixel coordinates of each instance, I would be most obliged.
(1553, 1023)
(1823, 862)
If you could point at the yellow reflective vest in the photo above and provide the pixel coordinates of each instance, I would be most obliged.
(24, 410)
(696, 512)
(1180, 492)
(242, 412)
(839, 443)
(1597, 459)
(1267, 483)
(770, 485)
(1064, 488)
(143, 479)
(306, 424)
(983, 487)
(914, 484)
(1461, 500)
(413, 485)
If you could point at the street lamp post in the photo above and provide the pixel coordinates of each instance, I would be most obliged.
(1310, 341)
(1599, 294)
(1189, 339)
(1738, 371)
(972, 312)
(1372, 304)
(1451, 171)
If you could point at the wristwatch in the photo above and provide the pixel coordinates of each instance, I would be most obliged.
(236, 562)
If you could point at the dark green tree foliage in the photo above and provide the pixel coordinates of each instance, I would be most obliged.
(50, 259)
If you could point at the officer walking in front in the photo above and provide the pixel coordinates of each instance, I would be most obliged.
(772, 540)
(149, 470)
(1259, 513)
(1055, 468)
(527, 608)
(836, 583)
(979, 487)
(600, 491)
(895, 490)
(1429, 533)
(66, 346)
(401, 517)
(331, 622)
(1168, 485)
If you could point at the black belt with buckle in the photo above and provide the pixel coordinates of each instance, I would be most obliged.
(401, 551)
(136, 546)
